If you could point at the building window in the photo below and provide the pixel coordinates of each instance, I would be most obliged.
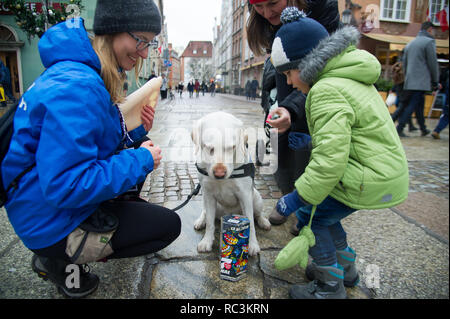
(205, 52)
(194, 52)
(436, 6)
(395, 10)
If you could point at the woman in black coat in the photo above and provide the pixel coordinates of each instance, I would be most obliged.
(263, 23)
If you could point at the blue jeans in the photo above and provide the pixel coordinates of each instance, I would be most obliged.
(327, 228)
(414, 103)
(443, 120)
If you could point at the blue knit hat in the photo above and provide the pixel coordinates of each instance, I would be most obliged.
(298, 36)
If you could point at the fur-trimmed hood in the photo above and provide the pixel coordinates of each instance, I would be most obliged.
(337, 56)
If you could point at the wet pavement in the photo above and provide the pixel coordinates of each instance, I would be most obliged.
(402, 252)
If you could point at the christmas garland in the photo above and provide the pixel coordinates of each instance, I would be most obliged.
(35, 23)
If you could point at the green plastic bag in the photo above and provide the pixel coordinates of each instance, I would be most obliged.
(296, 251)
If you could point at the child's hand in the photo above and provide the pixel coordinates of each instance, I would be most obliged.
(289, 203)
(299, 141)
(280, 118)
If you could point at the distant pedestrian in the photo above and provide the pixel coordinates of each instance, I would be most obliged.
(190, 88)
(153, 75)
(421, 75)
(5, 81)
(253, 88)
(212, 88)
(73, 205)
(398, 77)
(197, 88)
(248, 88)
(180, 89)
(204, 88)
(164, 87)
(443, 120)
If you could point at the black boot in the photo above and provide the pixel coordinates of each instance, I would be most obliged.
(329, 284)
(55, 270)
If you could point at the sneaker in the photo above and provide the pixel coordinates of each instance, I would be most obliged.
(400, 133)
(276, 218)
(426, 132)
(413, 128)
(329, 284)
(55, 270)
(435, 135)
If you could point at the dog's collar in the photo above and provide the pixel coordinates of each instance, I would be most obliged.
(242, 171)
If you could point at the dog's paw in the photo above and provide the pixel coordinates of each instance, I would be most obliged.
(253, 248)
(205, 245)
(200, 223)
(264, 223)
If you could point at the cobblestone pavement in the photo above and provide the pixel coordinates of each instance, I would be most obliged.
(402, 252)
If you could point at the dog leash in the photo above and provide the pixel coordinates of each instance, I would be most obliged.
(193, 193)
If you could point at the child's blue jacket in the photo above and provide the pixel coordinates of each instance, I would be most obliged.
(67, 125)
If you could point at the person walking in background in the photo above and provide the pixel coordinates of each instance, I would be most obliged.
(421, 70)
(248, 90)
(71, 140)
(398, 77)
(212, 88)
(190, 88)
(153, 75)
(203, 87)
(264, 22)
(164, 87)
(5, 81)
(253, 88)
(443, 120)
(197, 88)
(180, 89)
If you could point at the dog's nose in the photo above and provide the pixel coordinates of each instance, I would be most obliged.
(219, 172)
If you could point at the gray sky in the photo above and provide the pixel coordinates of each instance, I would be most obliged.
(191, 20)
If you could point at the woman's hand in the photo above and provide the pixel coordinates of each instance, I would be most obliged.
(283, 122)
(147, 117)
(155, 151)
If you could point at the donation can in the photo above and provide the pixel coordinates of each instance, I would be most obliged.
(235, 231)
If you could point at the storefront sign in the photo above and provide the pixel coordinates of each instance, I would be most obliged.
(33, 6)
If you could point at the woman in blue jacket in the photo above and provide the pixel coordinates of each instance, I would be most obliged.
(69, 127)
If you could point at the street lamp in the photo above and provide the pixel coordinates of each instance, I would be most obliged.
(346, 16)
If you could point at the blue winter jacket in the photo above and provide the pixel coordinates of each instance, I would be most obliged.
(67, 124)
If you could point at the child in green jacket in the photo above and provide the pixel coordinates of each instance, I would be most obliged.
(357, 159)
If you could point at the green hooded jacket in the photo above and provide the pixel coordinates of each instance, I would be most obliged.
(357, 157)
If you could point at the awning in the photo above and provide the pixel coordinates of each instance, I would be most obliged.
(398, 42)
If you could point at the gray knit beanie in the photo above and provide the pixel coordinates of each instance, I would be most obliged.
(112, 16)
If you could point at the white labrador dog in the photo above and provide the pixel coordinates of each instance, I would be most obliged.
(220, 148)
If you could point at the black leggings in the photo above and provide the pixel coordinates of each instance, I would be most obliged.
(144, 228)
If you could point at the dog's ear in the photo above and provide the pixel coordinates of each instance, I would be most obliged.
(195, 135)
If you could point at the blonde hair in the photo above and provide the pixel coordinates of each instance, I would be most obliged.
(112, 77)
(260, 33)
